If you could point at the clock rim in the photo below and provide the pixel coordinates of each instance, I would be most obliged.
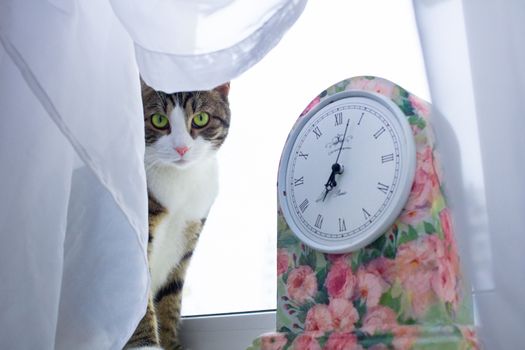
(350, 244)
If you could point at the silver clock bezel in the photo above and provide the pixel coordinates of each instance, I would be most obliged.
(401, 195)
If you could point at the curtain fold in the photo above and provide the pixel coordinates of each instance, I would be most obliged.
(475, 61)
(203, 43)
(73, 216)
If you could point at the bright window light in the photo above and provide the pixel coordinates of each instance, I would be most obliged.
(233, 269)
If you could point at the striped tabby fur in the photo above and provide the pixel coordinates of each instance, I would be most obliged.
(181, 170)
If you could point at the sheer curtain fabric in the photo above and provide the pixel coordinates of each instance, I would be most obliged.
(475, 61)
(73, 214)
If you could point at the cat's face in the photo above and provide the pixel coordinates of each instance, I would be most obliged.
(185, 127)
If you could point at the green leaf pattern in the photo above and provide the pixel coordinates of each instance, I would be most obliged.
(403, 291)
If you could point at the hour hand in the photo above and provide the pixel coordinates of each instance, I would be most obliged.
(328, 187)
(331, 183)
(337, 169)
(323, 194)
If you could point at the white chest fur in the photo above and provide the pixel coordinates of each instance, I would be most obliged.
(188, 195)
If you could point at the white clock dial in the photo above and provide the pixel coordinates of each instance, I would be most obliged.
(346, 171)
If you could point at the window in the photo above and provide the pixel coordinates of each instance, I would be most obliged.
(233, 269)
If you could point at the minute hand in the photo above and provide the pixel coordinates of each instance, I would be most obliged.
(342, 141)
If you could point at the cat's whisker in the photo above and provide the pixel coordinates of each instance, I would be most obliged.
(151, 161)
(151, 165)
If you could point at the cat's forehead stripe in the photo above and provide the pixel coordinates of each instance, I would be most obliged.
(172, 100)
(162, 97)
(175, 99)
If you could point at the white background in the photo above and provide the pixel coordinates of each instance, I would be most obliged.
(475, 60)
(234, 265)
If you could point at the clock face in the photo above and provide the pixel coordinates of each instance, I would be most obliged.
(347, 171)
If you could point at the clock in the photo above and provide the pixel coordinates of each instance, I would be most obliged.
(346, 170)
(360, 172)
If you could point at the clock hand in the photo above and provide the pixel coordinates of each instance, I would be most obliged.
(342, 142)
(331, 183)
(336, 167)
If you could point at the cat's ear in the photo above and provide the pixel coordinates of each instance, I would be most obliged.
(223, 90)
(143, 87)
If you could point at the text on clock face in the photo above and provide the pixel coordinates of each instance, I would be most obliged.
(365, 146)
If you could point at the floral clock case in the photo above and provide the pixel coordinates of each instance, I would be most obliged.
(404, 290)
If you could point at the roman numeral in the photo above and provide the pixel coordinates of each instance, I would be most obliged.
(304, 155)
(342, 225)
(298, 181)
(303, 205)
(365, 213)
(361, 118)
(319, 221)
(338, 118)
(382, 187)
(379, 132)
(317, 133)
(387, 158)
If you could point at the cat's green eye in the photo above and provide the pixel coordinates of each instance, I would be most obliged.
(200, 119)
(160, 121)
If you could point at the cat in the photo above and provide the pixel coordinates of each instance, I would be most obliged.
(183, 132)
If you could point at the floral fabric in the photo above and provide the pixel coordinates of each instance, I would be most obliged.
(403, 291)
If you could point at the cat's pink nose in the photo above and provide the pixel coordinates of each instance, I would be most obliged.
(182, 150)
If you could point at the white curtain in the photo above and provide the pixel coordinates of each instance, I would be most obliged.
(475, 57)
(73, 208)
(73, 219)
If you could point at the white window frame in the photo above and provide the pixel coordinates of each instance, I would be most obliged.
(226, 331)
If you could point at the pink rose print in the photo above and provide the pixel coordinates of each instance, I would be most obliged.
(334, 257)
(379, 319)
(378, 347)
(420, 107)
(426, 271)
(282, 261)
(311, 105)
(404, 337)
(340, 281)
(342, 341)
(380, 86)
(420, 293)
(305, 341)
(340, 315)
(370, 286)
(383, 267)
(344, 315)
(425, 161)
(451, 249)
(470, 341)
(301, 284)
(446, 225)
(273, 341)
(359, 83)
(444, 282)
(318, 320)
(419, 200)
(424, 189)
(411, 215)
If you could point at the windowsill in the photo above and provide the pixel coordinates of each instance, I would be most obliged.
(226, 331)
